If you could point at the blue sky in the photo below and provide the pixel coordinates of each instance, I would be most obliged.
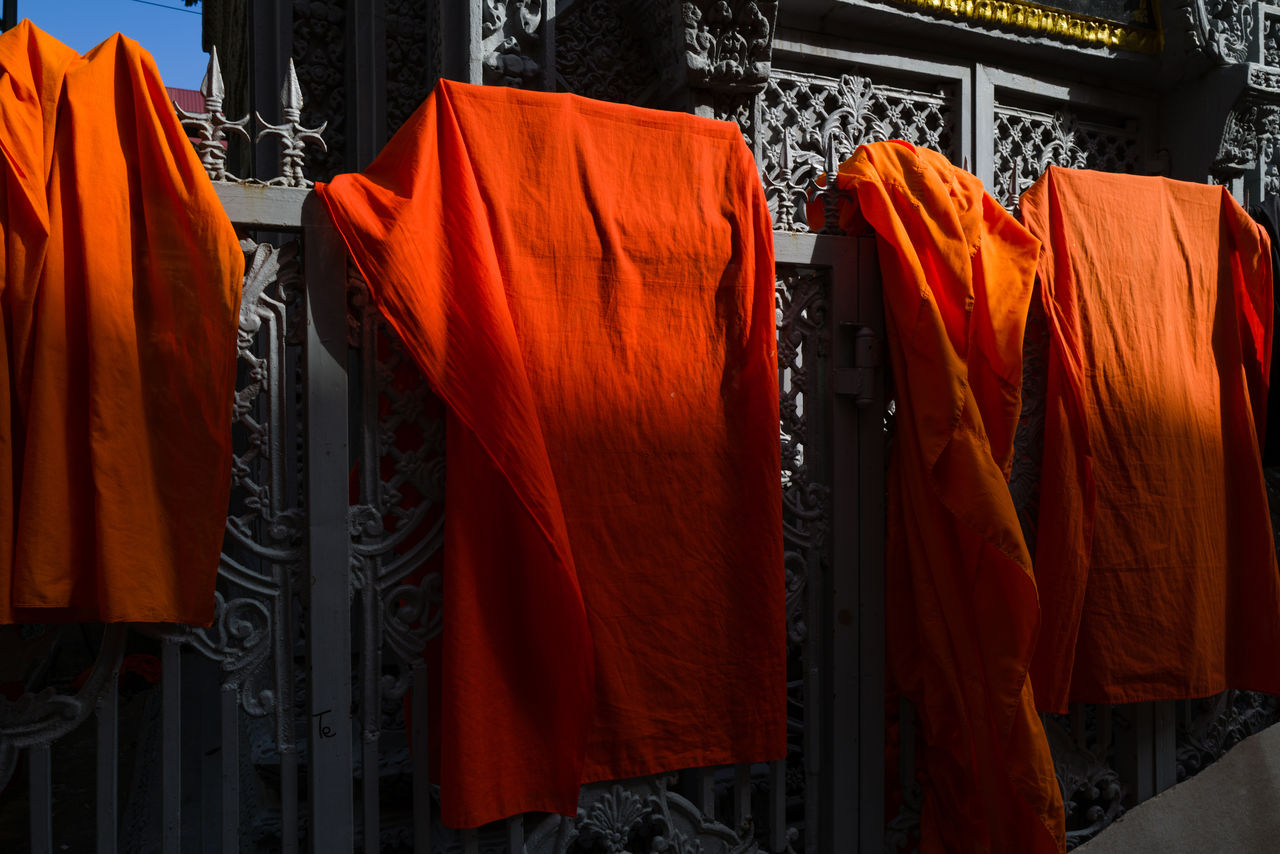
(167, 29)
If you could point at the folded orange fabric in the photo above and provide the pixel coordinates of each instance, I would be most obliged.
(961, 611)
(121, 293)
(1155, 558)
(589, 288)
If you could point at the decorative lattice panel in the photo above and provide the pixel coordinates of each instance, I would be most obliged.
(810, 123)
(1029, 141)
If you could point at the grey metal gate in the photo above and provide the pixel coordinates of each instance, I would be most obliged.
(283, 727)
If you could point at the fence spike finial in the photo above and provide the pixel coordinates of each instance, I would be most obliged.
(291, 133)
(291, 95)
(211, 127)
(212, 87)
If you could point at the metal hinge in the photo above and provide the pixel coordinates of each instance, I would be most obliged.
(857, 380)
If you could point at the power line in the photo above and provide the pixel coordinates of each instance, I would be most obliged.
(164, 6)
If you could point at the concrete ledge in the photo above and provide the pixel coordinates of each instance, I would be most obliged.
(1233, 805)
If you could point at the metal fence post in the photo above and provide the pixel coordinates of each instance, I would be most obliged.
(328, 543)
(871, 542)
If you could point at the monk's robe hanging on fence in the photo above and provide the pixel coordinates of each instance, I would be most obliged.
(960, 599)
(589, 288)
(1155, 559)
(121, 292)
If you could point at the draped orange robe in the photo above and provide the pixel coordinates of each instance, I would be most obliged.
(120, 302)
(961, 609)
(1155, 557)
(589, 288)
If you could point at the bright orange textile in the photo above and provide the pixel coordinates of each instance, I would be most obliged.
(120, 301)
(961, 611)
(589, 287)
(1155, 558)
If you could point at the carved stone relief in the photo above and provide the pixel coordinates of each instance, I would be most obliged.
(1222, 29)
(601, 54)
(1249, 141)
(319, 51)
(510, 38)
(1271, 40)
(412, 57)
(728, 44)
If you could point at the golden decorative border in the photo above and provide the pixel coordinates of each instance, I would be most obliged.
(1056, 23)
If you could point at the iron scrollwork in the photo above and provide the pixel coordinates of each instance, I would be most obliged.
(810, 123)
(253, 632)
(1210, 727)
(1028, 141)
(639, 817)
(46, 716)
(1092, 792)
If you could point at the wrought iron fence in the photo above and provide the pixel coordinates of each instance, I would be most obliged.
(285, 726)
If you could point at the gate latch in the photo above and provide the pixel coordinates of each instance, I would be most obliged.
(857, 380)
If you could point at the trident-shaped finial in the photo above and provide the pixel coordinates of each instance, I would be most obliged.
(211, 126)
(293, 136)
(291, 95)
(212, 87)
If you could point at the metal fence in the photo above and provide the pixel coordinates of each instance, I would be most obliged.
(284, 726)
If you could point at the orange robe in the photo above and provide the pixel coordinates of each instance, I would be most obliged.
(120, 302)
(961, 610)
(1155, 558)
(589, 288)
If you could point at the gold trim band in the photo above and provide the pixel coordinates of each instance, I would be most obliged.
(1032, 18)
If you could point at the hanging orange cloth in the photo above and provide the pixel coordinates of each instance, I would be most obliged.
(1155, 559)
(589, 288)
(960, 599)
(120, 300)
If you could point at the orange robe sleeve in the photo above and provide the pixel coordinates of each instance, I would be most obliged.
(1155, 556)
(121, 297)
(589, 289)
(961, 602)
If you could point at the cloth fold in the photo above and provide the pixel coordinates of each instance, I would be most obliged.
(961, 602)
(589, 288)
(1155, 556)
(1267, 214)
(121, 297)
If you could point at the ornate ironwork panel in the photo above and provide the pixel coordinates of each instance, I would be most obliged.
(1028, 141)
(810, 123)
(395, 522)
(803, 298)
